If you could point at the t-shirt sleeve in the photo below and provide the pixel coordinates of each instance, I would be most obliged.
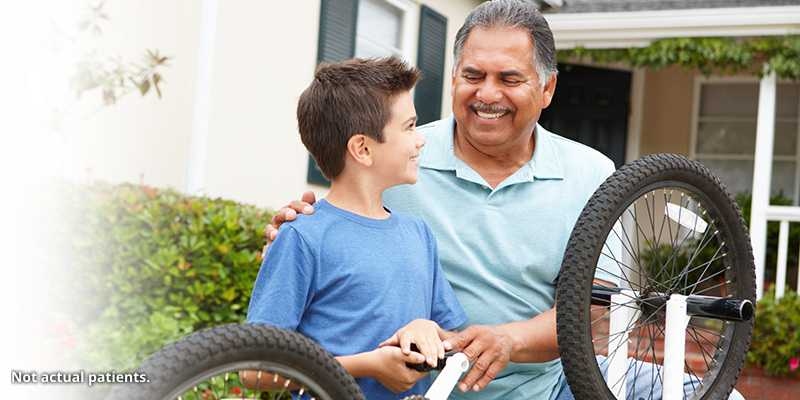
(285, 283)
(445, 308)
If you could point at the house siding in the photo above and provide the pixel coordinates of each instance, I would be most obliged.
(588, 6)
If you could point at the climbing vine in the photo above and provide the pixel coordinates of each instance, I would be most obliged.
(707, 54)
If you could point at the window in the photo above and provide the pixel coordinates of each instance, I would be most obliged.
(383, 28)
(365, 28)
(724, 133)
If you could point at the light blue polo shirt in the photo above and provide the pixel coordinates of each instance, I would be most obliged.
(501, 249)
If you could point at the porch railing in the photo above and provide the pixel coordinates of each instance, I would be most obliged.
(784, 214)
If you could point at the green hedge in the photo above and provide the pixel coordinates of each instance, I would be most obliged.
(131, 267)
(147, 266)
(776, 343)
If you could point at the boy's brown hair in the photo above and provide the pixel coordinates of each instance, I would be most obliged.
(348, 98)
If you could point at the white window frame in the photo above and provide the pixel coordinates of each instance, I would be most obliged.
(699, 81)
(409, 21)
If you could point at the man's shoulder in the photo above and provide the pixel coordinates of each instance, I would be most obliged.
(436, 127)
(573, 151)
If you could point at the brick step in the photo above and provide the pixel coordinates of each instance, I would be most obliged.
(696, 347)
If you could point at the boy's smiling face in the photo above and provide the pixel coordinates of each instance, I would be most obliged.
(396, 158)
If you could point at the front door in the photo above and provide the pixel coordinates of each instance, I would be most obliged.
(591, 106)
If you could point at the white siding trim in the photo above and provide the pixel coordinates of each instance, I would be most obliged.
(201, 110)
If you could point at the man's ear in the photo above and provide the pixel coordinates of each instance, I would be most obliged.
(358, 147)
(549, 90)
(453, 83)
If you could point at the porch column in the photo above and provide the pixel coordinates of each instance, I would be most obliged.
(762, 174)
(201, 109)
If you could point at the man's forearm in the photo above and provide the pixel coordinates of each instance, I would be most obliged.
(534, 340)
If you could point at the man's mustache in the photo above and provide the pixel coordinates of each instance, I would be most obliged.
(489, 108)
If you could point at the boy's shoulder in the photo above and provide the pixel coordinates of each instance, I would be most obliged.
(411, 220)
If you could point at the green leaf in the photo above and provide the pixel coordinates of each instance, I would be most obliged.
(144, 86)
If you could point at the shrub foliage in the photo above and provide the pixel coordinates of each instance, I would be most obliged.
(775, 340)
(148, 266)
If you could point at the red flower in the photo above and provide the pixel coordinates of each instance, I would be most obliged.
(63, 327)
(63, 343)
(33, 329)
(17, 339)
(46, 363)
(793, 364)
(18, 313)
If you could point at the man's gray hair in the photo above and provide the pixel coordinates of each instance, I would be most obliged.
(508, 14)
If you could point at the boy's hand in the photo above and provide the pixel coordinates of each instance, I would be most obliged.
(288, 213)
(389, 368)
(426, 334)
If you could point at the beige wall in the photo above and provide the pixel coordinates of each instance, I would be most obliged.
(265, 55)
(667, 112)
(255, 154)
(120, 142)
(264, 59)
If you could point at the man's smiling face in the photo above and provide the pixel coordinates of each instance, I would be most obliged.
(497, 97)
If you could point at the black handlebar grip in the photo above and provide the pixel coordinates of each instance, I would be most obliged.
(425, 367)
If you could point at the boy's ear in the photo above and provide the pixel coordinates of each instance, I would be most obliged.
(359, 149)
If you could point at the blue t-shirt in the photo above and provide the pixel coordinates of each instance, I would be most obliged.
(350, 282)
(502, 248)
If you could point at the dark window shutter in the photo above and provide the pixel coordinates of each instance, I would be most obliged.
(337, 42)
(430, 60)
(337, 30)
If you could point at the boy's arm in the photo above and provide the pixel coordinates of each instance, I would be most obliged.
(426, 334)
(386, 365)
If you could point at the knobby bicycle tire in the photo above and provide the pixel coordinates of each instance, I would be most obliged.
(698, 245)
(188, 365)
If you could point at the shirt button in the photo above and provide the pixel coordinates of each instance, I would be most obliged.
(484, 186)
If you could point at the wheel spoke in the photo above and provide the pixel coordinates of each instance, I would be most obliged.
(670, 230)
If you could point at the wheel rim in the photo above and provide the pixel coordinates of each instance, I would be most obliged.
(225, 382)
(275, 363)
(689, 247)
(673, 261)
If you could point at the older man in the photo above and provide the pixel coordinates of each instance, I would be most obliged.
(502, 195)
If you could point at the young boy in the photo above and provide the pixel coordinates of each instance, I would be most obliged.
(355, 275)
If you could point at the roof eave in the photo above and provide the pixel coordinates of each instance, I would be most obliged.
(640, 28)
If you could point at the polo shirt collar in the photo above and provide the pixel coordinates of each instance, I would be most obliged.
(438, 153)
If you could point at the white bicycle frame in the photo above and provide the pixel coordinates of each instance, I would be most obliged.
(620, 319)
(448, 378)
(676, 320)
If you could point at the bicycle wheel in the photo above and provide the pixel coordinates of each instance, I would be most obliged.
(661, 225)
(207, 364)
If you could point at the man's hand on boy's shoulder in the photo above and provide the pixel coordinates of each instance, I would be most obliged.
(288, 213)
